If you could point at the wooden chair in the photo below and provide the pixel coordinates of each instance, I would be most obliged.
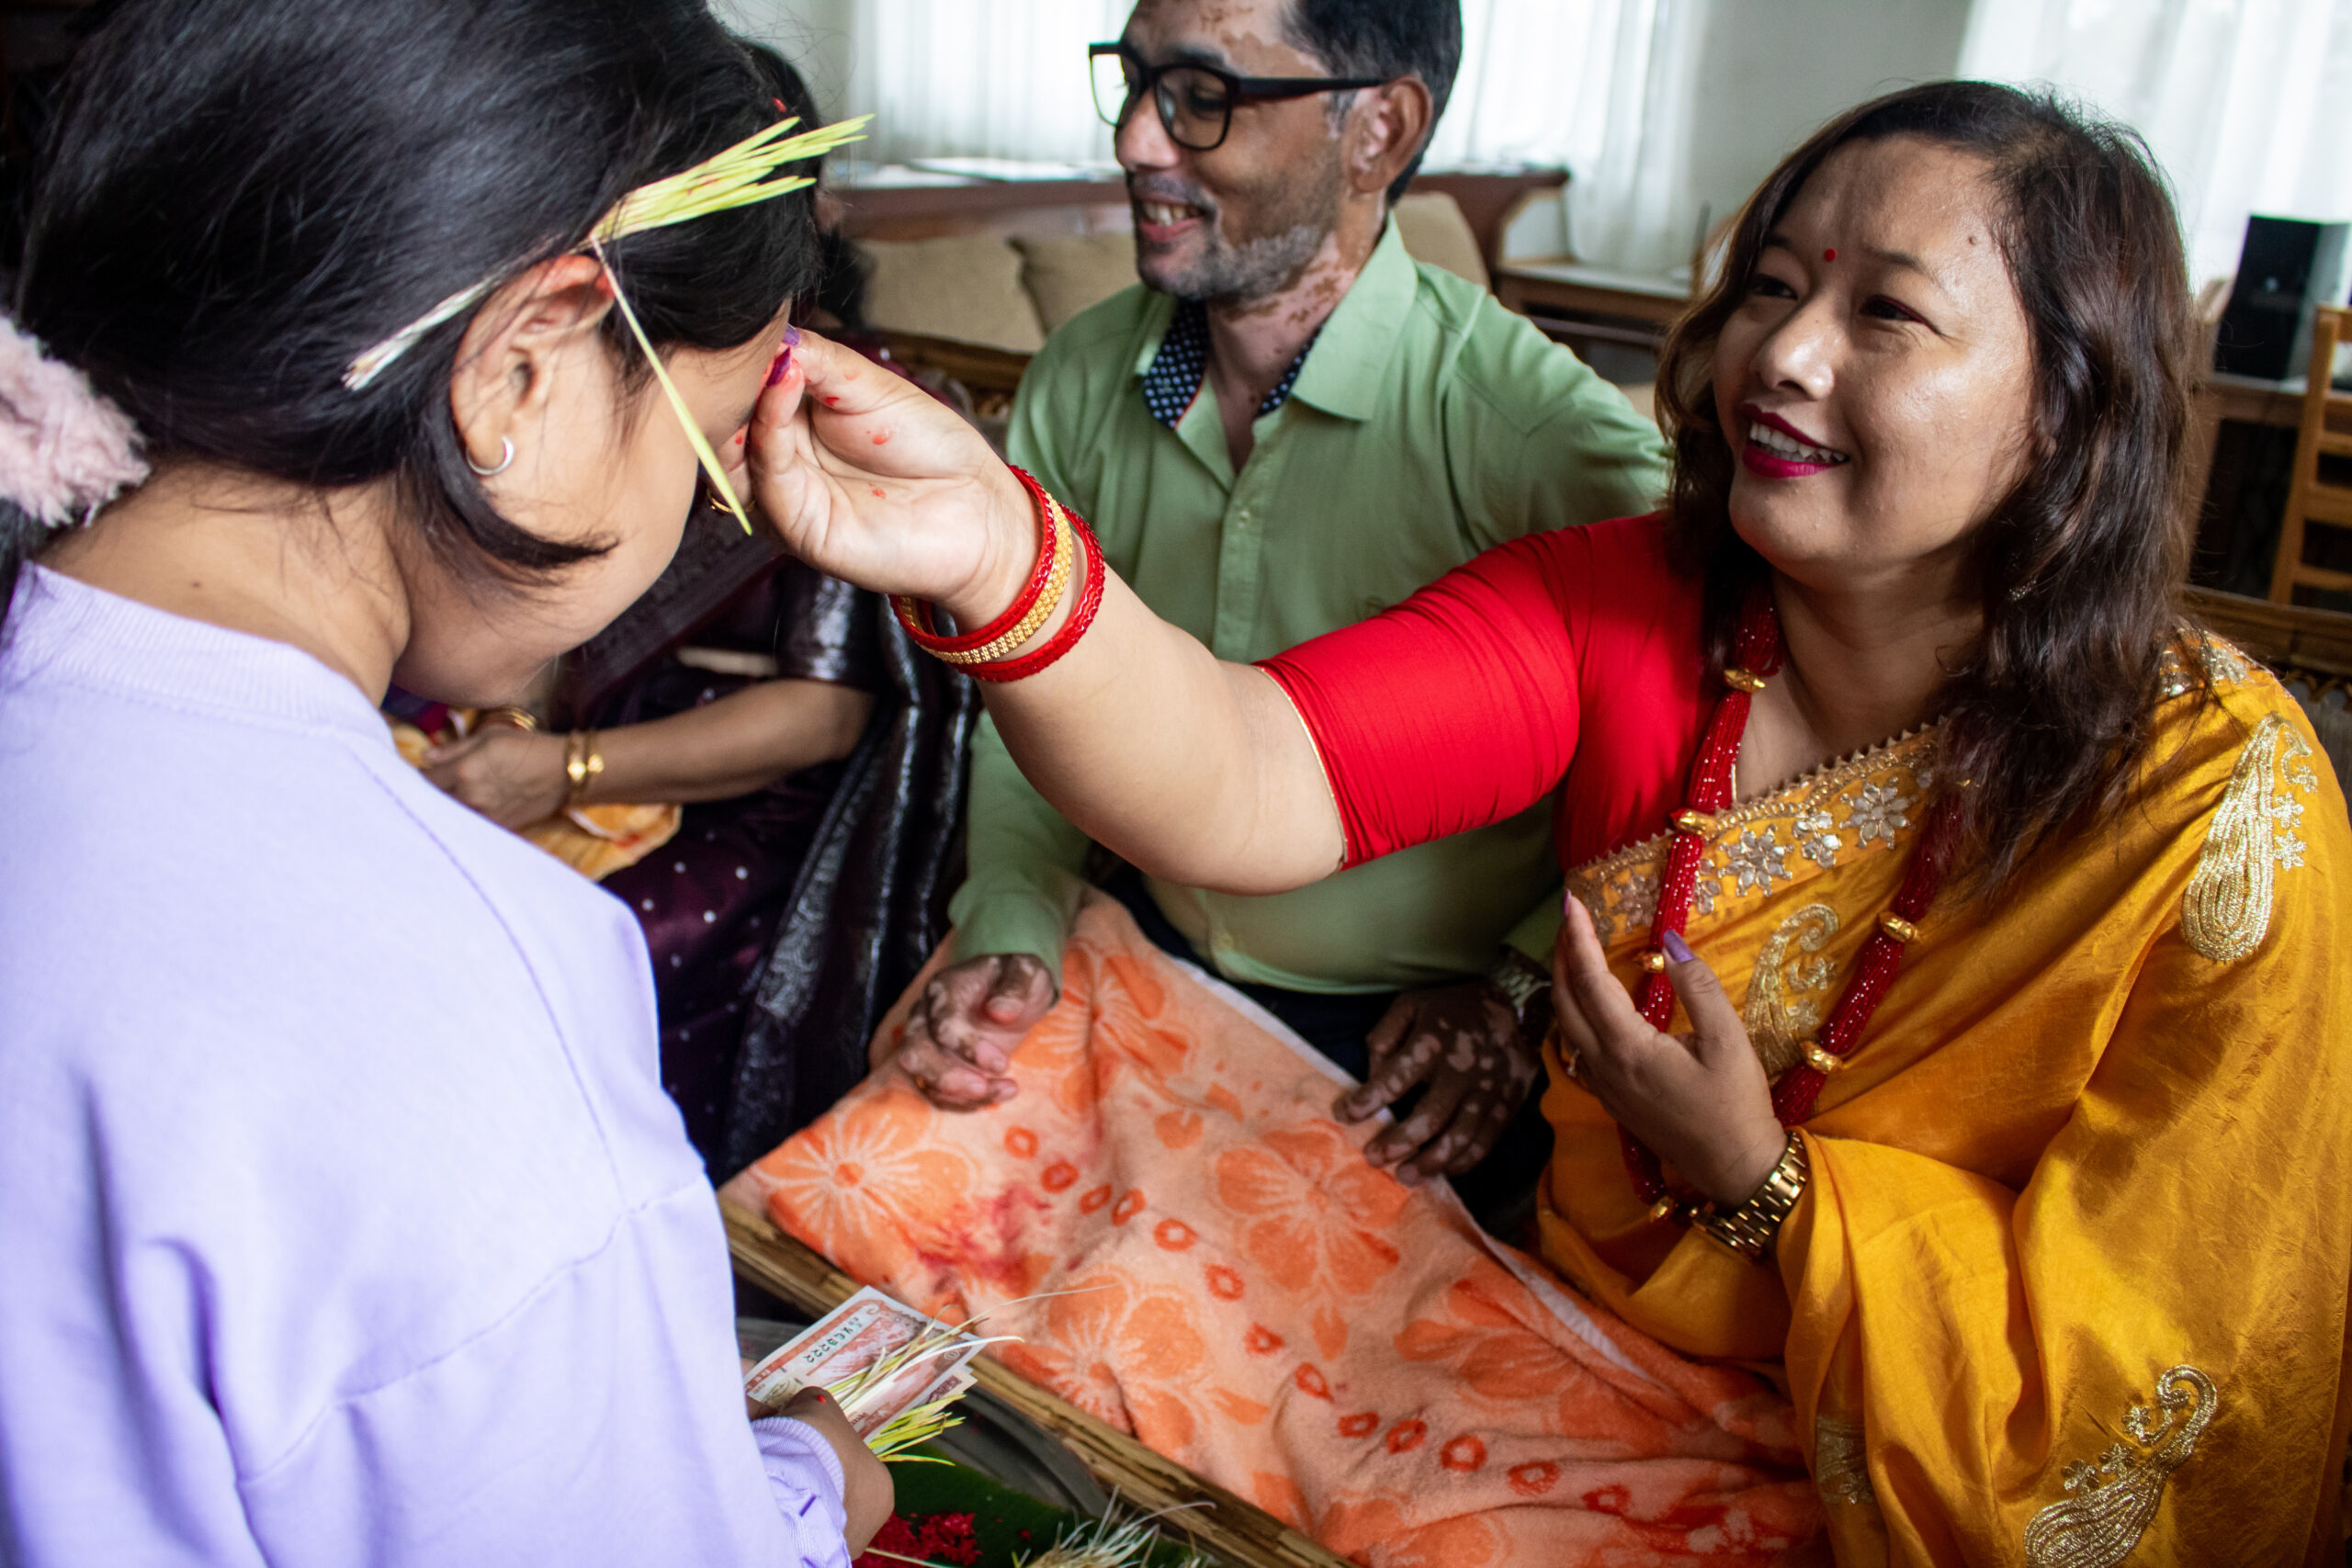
(2309, 649)
(2326, 431)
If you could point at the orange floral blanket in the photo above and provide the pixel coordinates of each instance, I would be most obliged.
(1253, 1300)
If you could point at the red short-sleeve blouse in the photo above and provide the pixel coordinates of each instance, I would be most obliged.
(1568, 659)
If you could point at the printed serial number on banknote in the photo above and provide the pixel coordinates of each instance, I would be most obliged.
(877, 1358)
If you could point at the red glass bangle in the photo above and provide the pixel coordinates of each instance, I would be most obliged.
(916, 617)
(1081, 616)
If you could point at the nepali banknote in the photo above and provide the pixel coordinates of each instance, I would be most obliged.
(876, 1356)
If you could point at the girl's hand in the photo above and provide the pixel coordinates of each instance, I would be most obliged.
(872, 480)
(511, 776)
(1700, 1099)
(868, 1494)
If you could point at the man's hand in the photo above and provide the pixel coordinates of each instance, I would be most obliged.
(1462, 1043)
(962, 1033)
(1700, 1099)
(509, 775)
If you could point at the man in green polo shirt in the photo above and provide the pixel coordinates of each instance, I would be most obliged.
(1289, 427)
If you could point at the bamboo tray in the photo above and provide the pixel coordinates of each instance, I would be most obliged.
(1240, 1533)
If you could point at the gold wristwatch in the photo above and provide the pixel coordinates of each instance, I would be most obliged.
(1750, 1229)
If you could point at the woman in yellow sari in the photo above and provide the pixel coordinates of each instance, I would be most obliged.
(1951, 1016)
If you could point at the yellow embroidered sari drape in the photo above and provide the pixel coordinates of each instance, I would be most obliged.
(2069, 1284)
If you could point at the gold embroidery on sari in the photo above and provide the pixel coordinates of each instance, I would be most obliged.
(2225, 911)
(2116, 1498)
(1780, 1019)
(2223, 664)
(1837, 813)
(1756, 860)
(1816, 838)
(1840, 1466)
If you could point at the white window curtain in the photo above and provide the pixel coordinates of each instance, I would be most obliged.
(981, 78)
(1601, 87)
(2247, 104)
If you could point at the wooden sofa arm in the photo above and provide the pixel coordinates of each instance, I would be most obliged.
(2283, 636)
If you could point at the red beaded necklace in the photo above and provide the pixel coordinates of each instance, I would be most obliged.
(1757, 648)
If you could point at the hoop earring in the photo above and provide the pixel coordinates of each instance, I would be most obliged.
(505, 460)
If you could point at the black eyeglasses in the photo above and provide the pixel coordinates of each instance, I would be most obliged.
(1196, 102)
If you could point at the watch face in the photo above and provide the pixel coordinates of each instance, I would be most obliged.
(1516, 976)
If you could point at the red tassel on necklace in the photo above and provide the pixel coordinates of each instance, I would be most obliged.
(1757, 647)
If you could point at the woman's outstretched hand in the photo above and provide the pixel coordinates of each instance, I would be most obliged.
(1199, 770)
(869, 478)
(1700, 1099)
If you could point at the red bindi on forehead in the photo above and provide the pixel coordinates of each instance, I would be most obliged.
(1829, 255)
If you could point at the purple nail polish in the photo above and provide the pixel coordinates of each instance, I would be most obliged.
(1675, 947)
(791, 337)
(778, 367)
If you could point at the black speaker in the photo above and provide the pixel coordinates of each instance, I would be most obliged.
(2284, 268)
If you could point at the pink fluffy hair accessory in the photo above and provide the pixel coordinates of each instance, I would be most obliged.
(64, 450)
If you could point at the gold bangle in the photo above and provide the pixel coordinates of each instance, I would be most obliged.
(1750, 1230)
(512, 716)
(1057, 579)
(583, 763)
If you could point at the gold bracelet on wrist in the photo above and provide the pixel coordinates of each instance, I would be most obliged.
(510, 715)
(582, 764)
(1057, 579)
(1750, 1229)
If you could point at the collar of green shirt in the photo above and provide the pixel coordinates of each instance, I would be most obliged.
(1347, 357)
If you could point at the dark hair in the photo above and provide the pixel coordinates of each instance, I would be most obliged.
(839, 288)
(2047, 715)
(1388, 38)
(244, 195)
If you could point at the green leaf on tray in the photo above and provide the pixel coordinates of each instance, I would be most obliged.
(1006, 1523)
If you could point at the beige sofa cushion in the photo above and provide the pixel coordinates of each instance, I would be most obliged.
(966, 286)
(1435, 231)
(1067, 273)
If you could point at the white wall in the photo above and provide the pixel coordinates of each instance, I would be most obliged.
(815, 35)
(1769, 72)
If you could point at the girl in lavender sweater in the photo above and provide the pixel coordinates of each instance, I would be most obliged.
(344, 1218)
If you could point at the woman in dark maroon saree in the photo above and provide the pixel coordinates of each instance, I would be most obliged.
(709, 899)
